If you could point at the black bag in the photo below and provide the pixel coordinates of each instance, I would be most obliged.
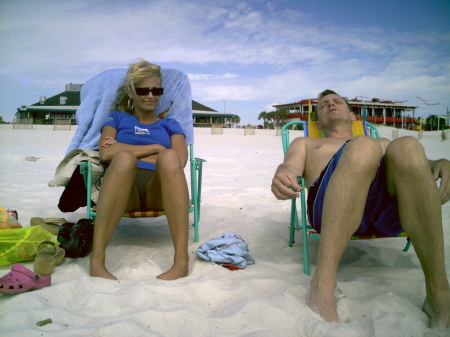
(76, 239)
(74, 195)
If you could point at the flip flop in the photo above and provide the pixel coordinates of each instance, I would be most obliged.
(48, 255)
(49, 224)
(20, 280)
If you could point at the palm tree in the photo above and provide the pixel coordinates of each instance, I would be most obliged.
(263, 116)
(235, 119)
(281, 116)
(270, 117)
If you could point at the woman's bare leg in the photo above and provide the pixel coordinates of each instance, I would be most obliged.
(116, 195)
(169, 191)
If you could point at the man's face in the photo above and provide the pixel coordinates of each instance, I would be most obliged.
(333, 107)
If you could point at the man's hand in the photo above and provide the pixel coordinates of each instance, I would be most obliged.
(284, 184)
(441, 169)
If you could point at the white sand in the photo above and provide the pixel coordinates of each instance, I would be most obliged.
(380, 289)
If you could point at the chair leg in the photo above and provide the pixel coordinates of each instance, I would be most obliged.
(86, 172)
(196, 210)
(408, 245)
(199, 182)
(196, 201)
(296, 223)
(304, 234)
(305, 255)
(195, 224)
(196, 191)
(293, 225)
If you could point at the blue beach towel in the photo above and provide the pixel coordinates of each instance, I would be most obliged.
(229, 248)
(99, 93)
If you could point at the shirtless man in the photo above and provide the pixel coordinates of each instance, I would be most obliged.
(394, 178)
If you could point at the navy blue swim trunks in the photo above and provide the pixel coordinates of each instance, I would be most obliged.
(380, 214)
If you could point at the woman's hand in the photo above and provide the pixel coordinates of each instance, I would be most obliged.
(159, 147)
(152, 158)
(107, 141)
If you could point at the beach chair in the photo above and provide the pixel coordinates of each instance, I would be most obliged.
(310, 129)
(175, 103)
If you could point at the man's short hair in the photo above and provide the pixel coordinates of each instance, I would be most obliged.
(330, 92)
(327, 92)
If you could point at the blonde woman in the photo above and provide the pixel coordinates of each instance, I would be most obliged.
(145, 158)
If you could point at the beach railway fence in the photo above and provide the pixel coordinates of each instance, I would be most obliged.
(23, 123)
(217, 129)
(278, 131)
(62, 124)
(249, 130)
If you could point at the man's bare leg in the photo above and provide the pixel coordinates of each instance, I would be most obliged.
(111, 204)
(175, 201)
(409, 178)
(344, 204)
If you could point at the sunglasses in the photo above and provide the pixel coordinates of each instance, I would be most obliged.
(145, 91)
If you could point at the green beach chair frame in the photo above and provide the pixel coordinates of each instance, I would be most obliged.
(305, 228)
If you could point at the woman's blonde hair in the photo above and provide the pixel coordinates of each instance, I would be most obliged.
(136, 73)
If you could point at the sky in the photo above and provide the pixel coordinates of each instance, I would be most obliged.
(242, 57)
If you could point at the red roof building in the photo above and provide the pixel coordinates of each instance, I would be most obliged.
(376, 111)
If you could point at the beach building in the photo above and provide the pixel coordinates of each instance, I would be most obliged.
(206, 117)
(375, 111)
(63, 106)
(59, 107)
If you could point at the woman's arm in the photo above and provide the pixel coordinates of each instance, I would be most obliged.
(108, 146)
(179, 145)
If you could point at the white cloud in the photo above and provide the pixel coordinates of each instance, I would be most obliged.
(176, 32)
(199, 77)
(240, 51)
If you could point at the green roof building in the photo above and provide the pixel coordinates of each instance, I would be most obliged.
(63, 106)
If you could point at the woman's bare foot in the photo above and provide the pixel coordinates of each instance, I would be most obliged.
(98, 269)
(439, 311)
(178, 270)
(321, 300)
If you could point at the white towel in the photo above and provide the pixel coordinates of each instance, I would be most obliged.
(70, 162)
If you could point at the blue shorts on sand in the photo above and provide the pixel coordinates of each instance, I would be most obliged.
(381, 211)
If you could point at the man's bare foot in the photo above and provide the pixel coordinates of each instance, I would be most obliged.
(98, 269)
(321, 300)
(439, 312)
(178, 270)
